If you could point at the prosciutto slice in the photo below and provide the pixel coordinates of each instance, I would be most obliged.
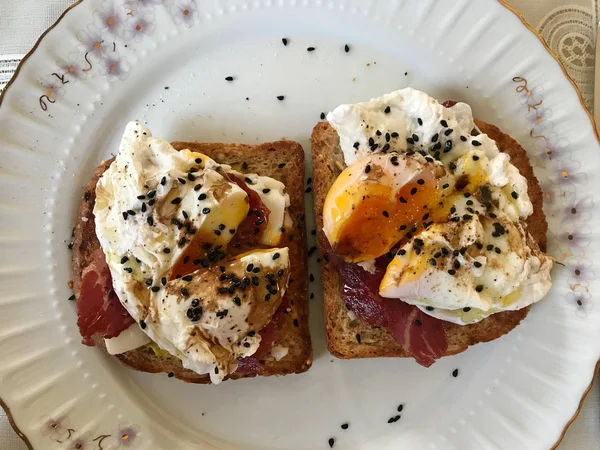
(423, 336)
(252, 227)
(251, 364)
(99, 311)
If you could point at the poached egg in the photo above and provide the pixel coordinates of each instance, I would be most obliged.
(164, 219)
(425, 187)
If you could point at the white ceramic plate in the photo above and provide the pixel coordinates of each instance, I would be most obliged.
(165, 63)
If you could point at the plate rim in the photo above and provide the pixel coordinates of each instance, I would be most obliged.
(503, 3)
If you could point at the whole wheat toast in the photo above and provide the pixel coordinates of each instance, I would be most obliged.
(282, 160)
(352, 339)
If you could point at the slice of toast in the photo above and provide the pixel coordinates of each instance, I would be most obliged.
(282, 160)
(352, 339)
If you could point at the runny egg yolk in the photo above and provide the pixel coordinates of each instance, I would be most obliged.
(375, 202)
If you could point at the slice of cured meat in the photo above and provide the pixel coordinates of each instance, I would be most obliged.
(99, 311)
(421, 335)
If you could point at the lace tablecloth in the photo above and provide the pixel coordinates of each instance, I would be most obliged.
(569, 27)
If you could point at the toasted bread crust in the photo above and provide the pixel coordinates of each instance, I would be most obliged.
(341, 332)
(265, 160)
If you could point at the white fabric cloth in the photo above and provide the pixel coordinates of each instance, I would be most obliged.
(569, 27)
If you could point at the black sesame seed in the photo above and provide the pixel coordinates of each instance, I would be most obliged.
(155, 288)
(150, 220)
(479, 288)
(444, 123)
(447, 146)
(171, 375)
(387, 110)
(403, 200)
(176, 201)
(410, 140)
(433, 262)
(415, 138)
(185, 292)
(191, 176)
(451, 165)
(514, 195)
(357, 337)
(296, 323)
(281, 165)
(429, 308)
(497, 250)
(331, 442)
(385, 214)
(346, 48)
(128, 269)
(163, 181)
(368, 168)
(490, 247)
(202, 197)
(285, 41)
(401, 252)
(475, 143)
(464, 139)
(205, 210)
(124, 259)
(229, 78)
(280, 97)
(72, 297)
(276, 256)
(356, 144)
(181, 180)
(266, 190)
(477, 264)
(142, 324)
(418, 322)
(395, 135)
(452, 272)
(187, 278)
(413, 191)
(345, 426)
(310, 49)
(455, 373)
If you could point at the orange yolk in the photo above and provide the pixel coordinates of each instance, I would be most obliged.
(198, 249)
(381, 214)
